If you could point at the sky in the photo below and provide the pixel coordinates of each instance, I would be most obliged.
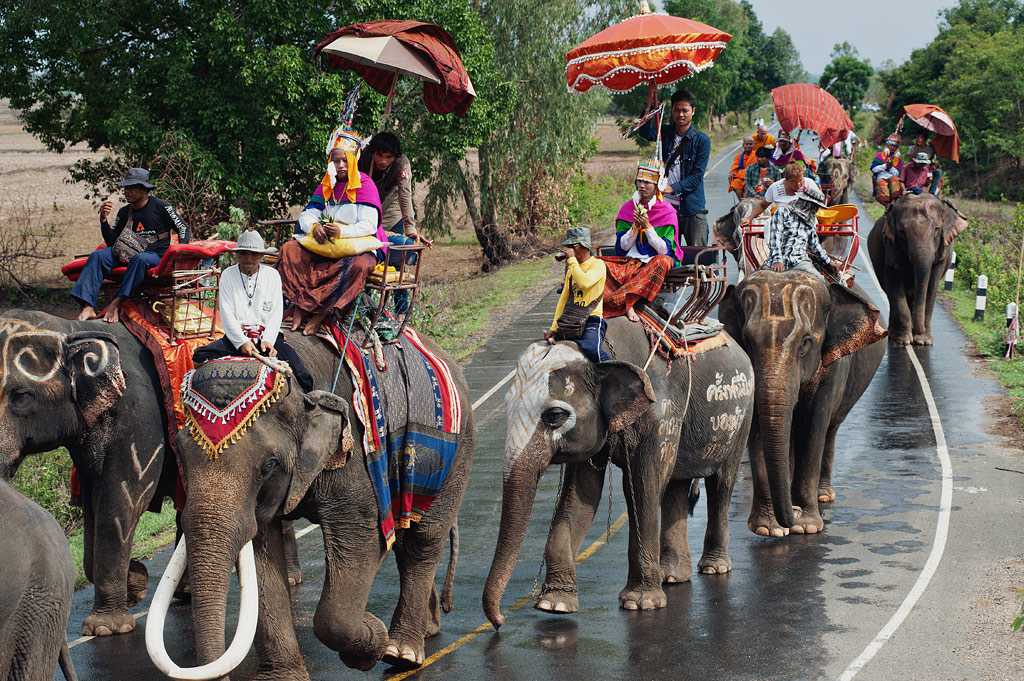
(879, 29)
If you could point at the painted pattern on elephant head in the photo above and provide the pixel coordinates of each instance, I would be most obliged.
(529, 395)
(785, 318)
(52, 385)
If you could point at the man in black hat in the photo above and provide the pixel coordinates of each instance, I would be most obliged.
(139, 238)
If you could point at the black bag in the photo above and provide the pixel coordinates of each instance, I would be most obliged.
(572, 322)
(129, 243)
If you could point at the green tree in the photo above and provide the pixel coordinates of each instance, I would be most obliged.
(847, 77)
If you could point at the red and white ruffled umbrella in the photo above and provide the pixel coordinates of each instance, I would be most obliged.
(930, 117)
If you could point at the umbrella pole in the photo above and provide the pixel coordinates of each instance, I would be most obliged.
(391, 99)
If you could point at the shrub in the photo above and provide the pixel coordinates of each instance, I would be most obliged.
(46, 479)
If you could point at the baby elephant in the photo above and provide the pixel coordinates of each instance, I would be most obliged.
(37, 581)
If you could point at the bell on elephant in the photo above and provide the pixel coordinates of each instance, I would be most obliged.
(681, 420)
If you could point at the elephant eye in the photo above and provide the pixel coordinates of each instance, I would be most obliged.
(555, 416)
(805, 345)
(22, 400)
(269, 465)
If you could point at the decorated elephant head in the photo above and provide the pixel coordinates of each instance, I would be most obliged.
(727, 228)
(53, 388)
(836, 175)
(250, 452)
(561, 409)
(793, 326)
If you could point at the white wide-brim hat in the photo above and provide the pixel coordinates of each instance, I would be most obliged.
(252, 242)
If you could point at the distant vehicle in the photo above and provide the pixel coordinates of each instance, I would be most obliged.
(871, 106)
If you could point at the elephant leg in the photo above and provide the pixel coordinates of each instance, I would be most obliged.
(761, 520)
(291, 553)
(933, 286)
(807, 462)
(715, 559)
(642, 487)
(577, 505)
(341, 622)
(418, 554)
(676, 564)
(826, 493)
(276, 644)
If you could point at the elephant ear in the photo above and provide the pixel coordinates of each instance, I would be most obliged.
(725, 230)
(625, 393)
(325, 417)
(93, 364)
(853, 323)
(954, 223)
(730, 313)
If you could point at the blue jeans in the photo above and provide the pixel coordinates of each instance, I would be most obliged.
(936, 179)
(101, 262)
(592, 341)
(396, 235)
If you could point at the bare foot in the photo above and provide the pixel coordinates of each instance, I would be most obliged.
(631, 315)
(313, 324)
(88, 312)
(112, 315)
(295, 321)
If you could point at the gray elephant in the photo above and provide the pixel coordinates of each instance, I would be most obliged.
(836, 176)
(814, 350)
(292, 463)
(37, 581)
(910, 249)
(665, 428)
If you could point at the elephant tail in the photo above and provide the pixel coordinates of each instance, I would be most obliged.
(694, 496)
(447, 600)
(66, 667)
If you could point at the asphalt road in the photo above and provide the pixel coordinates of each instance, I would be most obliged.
(899, 586)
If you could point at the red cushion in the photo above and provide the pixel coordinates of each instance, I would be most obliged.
(177, 257)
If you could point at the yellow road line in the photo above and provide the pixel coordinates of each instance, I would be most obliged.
(594, 547)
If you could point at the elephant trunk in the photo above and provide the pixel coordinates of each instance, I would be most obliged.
(775, 412)
(518, 492)
(210, 555)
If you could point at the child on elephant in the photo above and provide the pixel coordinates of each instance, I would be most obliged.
(578, 313)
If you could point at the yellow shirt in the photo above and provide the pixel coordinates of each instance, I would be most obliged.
(586, 281)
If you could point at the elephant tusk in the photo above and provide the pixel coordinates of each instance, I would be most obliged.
(245, 633)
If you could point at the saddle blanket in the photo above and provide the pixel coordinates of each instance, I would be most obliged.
(674, 344)
(411, 415)
(224, 396)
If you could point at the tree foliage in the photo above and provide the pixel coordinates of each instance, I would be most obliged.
(972, 69)
(847, 77)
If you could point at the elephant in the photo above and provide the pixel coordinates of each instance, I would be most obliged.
(727, 229)
(93, 387)
(665, 428)
(35, 592)
(910, 247)
(836, 176)
(814, 350)
(291, 463)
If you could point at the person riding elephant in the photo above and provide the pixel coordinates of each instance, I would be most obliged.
(760, 175)
(814, 351)
(93, 388)
(306, 456)
(665, 427)
(885, 168)
(911, 246)
(35, 593)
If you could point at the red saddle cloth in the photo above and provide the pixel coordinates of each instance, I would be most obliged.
(178, 257)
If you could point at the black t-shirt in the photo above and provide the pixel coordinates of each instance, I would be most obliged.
(155, 221)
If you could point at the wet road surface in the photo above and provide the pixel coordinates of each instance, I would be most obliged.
(803, 607)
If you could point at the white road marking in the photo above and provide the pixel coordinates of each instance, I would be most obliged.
(931, 566)
(476, 405)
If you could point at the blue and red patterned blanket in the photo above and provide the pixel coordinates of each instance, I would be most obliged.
(411, 415)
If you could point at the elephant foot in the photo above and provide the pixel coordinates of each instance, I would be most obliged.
(642, 599)
(717, 563)
(808, 522)
(138, 581)
(294, 577)
(403, 656)
(923, 339)
(108, 623)
(764, 524)
(826, 495)
(558, 601)
(675, 569)
(363, 663)
(902, 340)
